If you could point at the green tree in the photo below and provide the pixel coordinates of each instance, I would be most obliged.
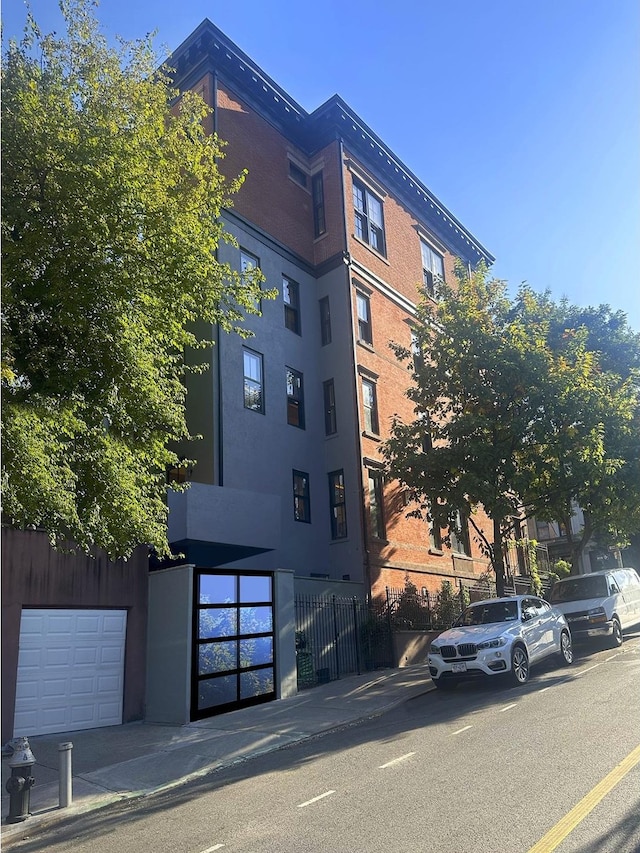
(609, 493)
(604, 401)
(111, 208)
(517, 414)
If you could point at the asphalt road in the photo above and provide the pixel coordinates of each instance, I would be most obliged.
(551, 766)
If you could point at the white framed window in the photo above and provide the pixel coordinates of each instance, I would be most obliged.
(369, 222)
(363, 304)
(432, 269)
(370, 407)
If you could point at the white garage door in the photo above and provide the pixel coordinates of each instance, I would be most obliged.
(70, 670)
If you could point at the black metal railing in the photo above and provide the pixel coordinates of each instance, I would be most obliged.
(339, 636)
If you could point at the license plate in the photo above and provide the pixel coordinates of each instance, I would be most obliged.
(459, 667)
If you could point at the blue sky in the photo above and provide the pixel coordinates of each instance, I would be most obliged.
(522, 116)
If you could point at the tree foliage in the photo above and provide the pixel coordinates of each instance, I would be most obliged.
(523, 414)
(111, 208)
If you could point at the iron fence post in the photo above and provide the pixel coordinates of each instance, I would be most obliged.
(356, 632)
(335, 637)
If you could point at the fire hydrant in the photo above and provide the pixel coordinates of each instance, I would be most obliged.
(21, 781)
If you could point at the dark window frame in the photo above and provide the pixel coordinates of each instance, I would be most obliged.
(298, 174)
(248, 379)
(325, 320)
(337, 504)
(291, 300)
(301, 497)
(236, 669)
(329, 398)
(459, 536)
(376, 504)
(317, 196)
(295, 398)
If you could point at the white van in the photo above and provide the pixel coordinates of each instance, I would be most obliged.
(599, 604)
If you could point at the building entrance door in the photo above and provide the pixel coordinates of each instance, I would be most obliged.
(233, 641)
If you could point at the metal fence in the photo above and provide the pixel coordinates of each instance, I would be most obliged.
(339, 636)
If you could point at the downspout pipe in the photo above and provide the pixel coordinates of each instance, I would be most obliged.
(358, 444)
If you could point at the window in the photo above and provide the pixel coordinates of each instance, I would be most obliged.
(435, 534)
(376, 504)
(297, 174)
(317, 195)
(295, 398)
(416, 352)
(459, 533)
(426, 439)
(330, 425)
(368, 217)
(301, 498)
(253, 390)
(248, 262)
(337, 504)
(325, 321)
(370, 405)
(364, 318)
(291, 299)
(432, 269)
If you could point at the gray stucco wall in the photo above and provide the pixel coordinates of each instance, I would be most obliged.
(169, 645)
(260, 451)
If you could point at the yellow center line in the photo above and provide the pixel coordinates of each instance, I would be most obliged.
(586, 805)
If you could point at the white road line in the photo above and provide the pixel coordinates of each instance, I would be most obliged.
(396, 760)
(215, 847)
(462, 730)
(315, 799)
(606, 660)
(507, 707)
(582, 671)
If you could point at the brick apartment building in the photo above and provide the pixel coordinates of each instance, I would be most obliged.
(288, 495)
(289, 473)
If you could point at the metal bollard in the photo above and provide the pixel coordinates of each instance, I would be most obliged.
(65, 775)
(21, 781)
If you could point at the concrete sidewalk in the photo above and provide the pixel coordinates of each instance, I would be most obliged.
(138, 759)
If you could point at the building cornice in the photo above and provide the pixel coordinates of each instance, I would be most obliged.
(209, 50)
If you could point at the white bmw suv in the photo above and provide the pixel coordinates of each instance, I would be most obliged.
(499, 636)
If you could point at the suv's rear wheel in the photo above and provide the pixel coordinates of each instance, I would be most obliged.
(519, 665)
(566, 648)
(616, 633)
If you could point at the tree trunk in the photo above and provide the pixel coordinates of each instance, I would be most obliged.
(498, 557)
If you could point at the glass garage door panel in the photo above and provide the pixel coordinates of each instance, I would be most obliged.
(233, 642)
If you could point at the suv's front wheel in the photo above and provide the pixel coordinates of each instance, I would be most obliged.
(519, 665)
(616, 633)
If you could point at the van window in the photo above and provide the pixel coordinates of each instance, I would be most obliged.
(626, 578)
(580, 588)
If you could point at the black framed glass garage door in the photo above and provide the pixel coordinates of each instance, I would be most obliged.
(233, 649)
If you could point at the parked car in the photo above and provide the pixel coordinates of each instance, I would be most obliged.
(599, 604)
(499, 636)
